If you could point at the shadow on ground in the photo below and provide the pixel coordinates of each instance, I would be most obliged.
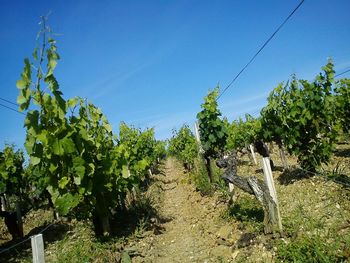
(342, 153)
(291, 176)
(140, 217)
(341, 179)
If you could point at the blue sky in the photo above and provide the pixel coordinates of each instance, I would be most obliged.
(150, 63)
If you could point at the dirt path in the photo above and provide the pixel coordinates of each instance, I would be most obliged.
(192, 230)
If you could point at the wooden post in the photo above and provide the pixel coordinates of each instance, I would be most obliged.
(271, 186)
(4, 203)
(231, 188)
(38, 248)
(19, 219)
(196, 131)
(198, 138)
(253, 153)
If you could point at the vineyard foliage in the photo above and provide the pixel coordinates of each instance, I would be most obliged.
(71, 143)
(12, 179)
(272, 114)
(140, 150)
(242, 133)
(302, 115)
(212, 129)
(342, 97)
(184, 147)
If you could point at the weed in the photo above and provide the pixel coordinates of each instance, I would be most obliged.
(310, 249)
(200, 178)
(82, 246)
(248, 211)
(338, 174)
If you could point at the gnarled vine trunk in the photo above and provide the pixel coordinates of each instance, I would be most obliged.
(253, 186)
(101, 216)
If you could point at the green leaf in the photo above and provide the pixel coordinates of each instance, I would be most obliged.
(108, 127)
(32, 120)
(77, 180)
(66, 202)
(21, 99)
(68, 145)
(78, 166)
(29, 144)
(63, 182)
(125, 171)
(72, 102)
(57, 147)
(21, 84)
(43, 137)
(142, 165)
(52, 167)
(34, 160)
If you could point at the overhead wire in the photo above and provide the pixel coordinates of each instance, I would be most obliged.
(10, 102)
(10, 108)
(257, 112)
(261, 48)
(342, 73)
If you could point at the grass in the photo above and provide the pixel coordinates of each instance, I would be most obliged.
(248, 211)
(199, 177)
(313, 248)
(313, 238)
(81, 245)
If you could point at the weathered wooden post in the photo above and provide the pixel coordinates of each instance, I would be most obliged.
(271, 186)
(231, 190)
(38, 248)
(253, 153)
(196, 133)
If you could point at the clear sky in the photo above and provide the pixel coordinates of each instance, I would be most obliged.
(150, 63)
